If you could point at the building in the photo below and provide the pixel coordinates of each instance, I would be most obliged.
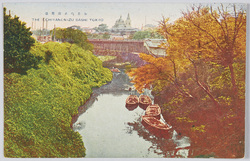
(117, 37)
(75, 27)
(122, 27)
(154, 47)
(43, 39)
(88, 30)
(121, 24)
(148, 27)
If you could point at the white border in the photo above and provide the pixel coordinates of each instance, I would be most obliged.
(247, 112)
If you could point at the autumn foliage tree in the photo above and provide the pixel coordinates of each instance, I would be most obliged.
(200, 82)
(210, 36)
(230, 43)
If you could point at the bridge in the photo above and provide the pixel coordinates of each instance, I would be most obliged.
(113, 47)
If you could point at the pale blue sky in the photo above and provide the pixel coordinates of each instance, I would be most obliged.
(109, 12)
(140, 13)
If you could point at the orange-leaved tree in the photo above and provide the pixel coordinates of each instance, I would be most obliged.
(158, 72)
(224, 30)
(201, 79)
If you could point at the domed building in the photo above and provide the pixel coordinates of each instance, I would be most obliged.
(120, 23)
(123, 27)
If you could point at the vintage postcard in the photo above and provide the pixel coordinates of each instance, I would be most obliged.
(124, 80)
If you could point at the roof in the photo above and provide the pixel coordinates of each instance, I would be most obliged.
(154, 43)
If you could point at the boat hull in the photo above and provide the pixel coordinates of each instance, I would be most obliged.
(153, 111)
(132, 102)
(143, 106)
(161, 132)
(115, 70)
(131, 107)
(142, 103)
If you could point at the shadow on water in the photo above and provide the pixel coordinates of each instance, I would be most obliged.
(169, 148)
(110, 130)
(120, 85)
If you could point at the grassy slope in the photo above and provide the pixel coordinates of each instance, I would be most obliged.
(39, 105)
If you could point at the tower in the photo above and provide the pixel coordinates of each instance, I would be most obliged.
(128, 22)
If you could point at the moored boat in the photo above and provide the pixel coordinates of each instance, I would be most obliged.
(144, 101)
(132, 102)
(156, 127)
(153, 111)
(116, 70)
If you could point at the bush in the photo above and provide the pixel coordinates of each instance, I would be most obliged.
(39, 106)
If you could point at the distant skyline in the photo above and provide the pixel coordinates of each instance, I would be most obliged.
(88, 14)
(85, 14)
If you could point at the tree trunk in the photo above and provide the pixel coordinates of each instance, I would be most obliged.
(234, 88)
(203, 88)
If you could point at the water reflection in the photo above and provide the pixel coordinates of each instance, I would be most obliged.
(110, 130)
(172, 147)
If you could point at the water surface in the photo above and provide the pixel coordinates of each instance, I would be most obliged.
(110, 130)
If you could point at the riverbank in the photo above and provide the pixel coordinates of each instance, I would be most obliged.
(122, 60)
(81, 109)
(208, 126)
(199, 104)
(39, 106)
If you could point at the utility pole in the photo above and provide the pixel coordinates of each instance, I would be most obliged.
(40, 33)
(43, 27)
(54, 32)
(46, 26)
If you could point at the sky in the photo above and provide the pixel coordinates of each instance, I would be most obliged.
(88, 14)
(92, 14)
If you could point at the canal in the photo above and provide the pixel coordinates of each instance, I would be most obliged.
(110, 130)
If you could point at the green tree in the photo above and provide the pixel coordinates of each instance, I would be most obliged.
(73, 36)
(40, 32)
(102, 28)
(140, 35)
(17, 43)
(106, 35)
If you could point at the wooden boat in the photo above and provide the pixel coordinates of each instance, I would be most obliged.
(144, 101)
(153, 111)
(132, 102)
(116, 70)
(156, 127)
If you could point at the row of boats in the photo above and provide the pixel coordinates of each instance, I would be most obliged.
(152, 118)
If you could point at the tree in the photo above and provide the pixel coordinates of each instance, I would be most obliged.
(158, 72)
(208, 36)
(40, 32)
(106, 35)
(17, 43)
(102, 28)
(200, 83)
(73, 36)
(224, 47)
(140, 35)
